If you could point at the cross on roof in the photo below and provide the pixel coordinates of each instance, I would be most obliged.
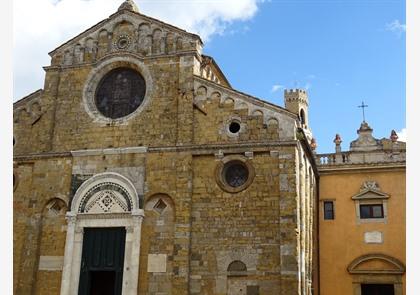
(363, 106)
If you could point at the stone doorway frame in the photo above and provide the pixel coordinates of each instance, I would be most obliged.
(76, 221)
(392, 276)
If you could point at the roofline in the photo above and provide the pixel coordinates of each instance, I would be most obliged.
(213, 61)
(308, 150)
(362, 168)
(118, 13)
(279, 108)
(27, 97)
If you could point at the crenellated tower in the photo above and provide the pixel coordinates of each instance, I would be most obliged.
(296, 101)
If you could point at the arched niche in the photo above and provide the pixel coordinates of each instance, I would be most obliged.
(238, 281)
(237, 267)
(158, 241)
(51, 250)
(105, 200)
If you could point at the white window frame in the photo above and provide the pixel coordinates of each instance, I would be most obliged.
(371, 195)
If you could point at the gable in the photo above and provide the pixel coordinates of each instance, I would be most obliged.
(370, 190)
(370, 194)
(126, 31)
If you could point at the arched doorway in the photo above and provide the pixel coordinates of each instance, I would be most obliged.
(103, 237)
(377, 274)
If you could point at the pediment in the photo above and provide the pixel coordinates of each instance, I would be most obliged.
(376, 264)
(370, 194)
(370, 190)
(125, 31)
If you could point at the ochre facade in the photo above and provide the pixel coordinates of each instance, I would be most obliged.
(356, 251)
(214, 189)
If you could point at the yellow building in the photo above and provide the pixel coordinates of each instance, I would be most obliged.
(362, 217)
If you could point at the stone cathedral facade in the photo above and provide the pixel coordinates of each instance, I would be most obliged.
(138, 169)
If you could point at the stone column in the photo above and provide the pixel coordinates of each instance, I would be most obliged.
(68, 254)
(127, 269)
(77, 259)
(137, 219)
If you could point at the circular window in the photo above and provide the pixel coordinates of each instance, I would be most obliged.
(123, 42)
(234, 173)
(234, 127)
(120, 92)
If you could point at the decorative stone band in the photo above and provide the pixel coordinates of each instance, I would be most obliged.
(109, 151)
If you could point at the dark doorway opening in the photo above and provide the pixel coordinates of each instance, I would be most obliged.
(102, 283)
(377, 289)
(102, 261)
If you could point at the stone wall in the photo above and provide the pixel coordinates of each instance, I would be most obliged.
(198, 237)
(198, 231)
(40, 200)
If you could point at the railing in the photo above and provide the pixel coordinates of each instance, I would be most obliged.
(345, 158)
(333, 159)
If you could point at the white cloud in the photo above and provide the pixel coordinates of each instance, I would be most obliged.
(402, 135)
(42, 25)
(396, 27)
(276, 88)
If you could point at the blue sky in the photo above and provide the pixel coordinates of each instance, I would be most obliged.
(343, 52)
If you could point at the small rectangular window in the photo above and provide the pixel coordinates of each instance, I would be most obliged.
(328, 210)
(372, 211)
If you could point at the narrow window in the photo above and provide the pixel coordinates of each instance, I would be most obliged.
(328, 210)
(302, 116)
(372, 211)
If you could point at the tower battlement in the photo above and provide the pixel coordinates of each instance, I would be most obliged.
(295, 95)
(294, 91)
(296, 101)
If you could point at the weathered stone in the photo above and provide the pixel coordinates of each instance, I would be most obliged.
(163, 155)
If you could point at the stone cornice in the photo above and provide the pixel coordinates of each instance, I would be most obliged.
(109, 151)
(194, 149)
(354, 168)
(119, 54)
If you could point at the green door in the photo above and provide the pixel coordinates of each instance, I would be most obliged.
(102, 264)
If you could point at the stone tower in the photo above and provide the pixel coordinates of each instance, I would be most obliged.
(296, 101)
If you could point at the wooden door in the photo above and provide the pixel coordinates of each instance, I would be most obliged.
(377, 289)
(102, 261)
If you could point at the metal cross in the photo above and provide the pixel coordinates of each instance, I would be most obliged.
(363, 106)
